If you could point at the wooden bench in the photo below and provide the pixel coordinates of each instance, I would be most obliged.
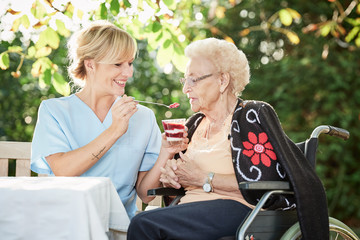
(20, 152)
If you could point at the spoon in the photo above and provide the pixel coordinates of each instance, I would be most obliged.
(173, 105)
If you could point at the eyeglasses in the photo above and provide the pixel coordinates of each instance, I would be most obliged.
(192, 81)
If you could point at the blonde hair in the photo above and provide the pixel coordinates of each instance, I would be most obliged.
(226, 57)
(102, 41)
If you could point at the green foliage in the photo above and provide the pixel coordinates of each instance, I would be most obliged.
(304, 59)
(4, 60)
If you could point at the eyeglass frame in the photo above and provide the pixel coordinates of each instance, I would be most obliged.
(194, 81)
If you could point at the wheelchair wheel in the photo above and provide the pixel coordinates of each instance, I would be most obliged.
(338, 230)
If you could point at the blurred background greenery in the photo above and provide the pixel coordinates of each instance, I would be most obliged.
(304, 58)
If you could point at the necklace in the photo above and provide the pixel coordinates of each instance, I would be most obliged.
(221, 125)
(211, 126)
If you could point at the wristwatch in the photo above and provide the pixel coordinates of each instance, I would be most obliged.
(207, 185)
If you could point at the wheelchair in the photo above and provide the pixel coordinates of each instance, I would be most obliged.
(275, 224)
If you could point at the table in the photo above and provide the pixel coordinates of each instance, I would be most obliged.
(80, 208)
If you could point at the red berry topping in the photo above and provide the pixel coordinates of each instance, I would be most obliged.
(174, 105)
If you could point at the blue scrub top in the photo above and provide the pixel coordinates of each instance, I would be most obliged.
(67, 123)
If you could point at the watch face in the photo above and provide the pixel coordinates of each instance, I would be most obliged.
(207, 187)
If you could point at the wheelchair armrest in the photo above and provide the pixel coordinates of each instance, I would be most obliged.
(166, 192)
(265, 185)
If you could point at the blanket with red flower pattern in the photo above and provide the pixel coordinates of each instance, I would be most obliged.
(261, 151)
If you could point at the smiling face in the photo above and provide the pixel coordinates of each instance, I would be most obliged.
(204, 94)
(110, 79)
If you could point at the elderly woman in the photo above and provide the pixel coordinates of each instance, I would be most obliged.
(99, 131)
(231, 140)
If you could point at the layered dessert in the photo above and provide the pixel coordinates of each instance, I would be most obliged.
(174, 129)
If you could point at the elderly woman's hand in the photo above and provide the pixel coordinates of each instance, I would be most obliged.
(168, 176)
(188, 172)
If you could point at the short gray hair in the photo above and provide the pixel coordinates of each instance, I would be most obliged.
(226, 57)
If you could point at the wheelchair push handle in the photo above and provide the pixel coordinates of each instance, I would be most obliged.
(332, 131)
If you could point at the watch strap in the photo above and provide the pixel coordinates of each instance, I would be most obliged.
(210, 178)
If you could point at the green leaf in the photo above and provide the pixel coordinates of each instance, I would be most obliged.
(156, 26)
(80, 14)
(180, 61)
(115, 7)
(61, 29)
(353, 21)
(4, 61)
(164, 55)
(352, 34)
(31, 51)
(16, 49)
(285, 17)
(103, 11)
(43, 52)
(171, 4)
(16, 24)
(167, 43)
(325, 30)
(48, 37)
(140, 4)
(135, 28)
(357, 41)
(69, 10)
(40, 66)
(293, 37)
(150, 3)
(127, 3)
(45, 78)
(294, 14)
(38, 10)
(153, 39)
(60, 85)
(25, 21)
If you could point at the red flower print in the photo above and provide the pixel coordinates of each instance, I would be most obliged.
(258, 148)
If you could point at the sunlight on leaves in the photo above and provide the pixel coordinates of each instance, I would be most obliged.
(114, 7)
(79, 14)
(293, 37)
(16, 25)
(31, 51)
(40, 66)
(69, 10)
(38, 10)
(45, 79)
(171, 4)
(25, 21)
(164, 54)
(180, 61)
(229, 39)
(352, 34)
(61, 29)
(60, 84)
(285, 17)
(325, 30)
(4, 61)
(48, 37)
(294, 14)
(220, 12)
(43, 52)
(15, 49)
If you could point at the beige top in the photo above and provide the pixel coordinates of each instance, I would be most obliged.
(212, 155)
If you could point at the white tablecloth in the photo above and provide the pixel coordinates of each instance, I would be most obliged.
(51, 208)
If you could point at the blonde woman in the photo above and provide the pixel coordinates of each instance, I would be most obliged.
(231, 140)
(99, 131)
